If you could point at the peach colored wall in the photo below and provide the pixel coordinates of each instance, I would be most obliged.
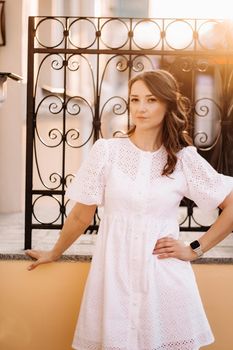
(216, 289)
(38, 309)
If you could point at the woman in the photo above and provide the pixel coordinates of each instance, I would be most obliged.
(141, 292)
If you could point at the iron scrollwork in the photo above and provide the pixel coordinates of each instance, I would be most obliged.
(77, 93)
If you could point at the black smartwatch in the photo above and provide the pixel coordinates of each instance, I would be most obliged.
(196, 247)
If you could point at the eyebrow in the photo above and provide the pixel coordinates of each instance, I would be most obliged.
(138, 95)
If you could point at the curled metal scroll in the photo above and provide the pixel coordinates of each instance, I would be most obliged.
(201, 136)
(202, 65)
(117, 109)
(54, 178)
(202, 110)
(68, 179)
(56, 64)
(122, 65)
(53, 108)
(73, 107)
(138, 65)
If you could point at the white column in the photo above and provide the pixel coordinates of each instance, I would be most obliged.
(13, 58)
(12, 112)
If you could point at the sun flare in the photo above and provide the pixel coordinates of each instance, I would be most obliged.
(191, 9)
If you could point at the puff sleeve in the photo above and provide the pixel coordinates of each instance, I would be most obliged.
(204, 185)
(88, 184)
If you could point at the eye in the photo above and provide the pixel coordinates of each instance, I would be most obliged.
(133, 99)
(152, 99)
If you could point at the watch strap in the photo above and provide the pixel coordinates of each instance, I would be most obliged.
(196, 247)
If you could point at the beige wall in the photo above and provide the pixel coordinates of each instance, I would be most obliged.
(216, 289)
(38, 309)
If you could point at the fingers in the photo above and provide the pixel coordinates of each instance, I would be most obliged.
(32, 253)
(38, 262)
(168, 247)
(165, 247)
(40, 257)
(33, 266)
(167, 255)
(164, 243)
(35, 254)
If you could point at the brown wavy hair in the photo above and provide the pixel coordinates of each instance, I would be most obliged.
(176, 125)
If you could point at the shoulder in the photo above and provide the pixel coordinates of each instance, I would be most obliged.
(108, 148)
(192, 161)
(110, 141)
(98, 152)
(187, 152)
(99, 146)
(100, 143)
(115, 143)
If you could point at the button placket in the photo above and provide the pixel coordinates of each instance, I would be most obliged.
(134, 312)
(143, 179)
(141, 194)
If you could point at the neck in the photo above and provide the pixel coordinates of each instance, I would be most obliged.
(147, 140)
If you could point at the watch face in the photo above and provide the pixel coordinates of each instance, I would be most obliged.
(195, 245)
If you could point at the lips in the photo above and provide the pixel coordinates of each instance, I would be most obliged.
(141, 117)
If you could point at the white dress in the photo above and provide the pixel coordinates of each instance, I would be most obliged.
(133, 300)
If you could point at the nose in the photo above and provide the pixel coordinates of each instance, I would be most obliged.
(142, 106)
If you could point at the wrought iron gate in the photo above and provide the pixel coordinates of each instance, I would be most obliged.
(78, 68)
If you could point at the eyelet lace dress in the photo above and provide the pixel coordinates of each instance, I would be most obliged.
(133, 300)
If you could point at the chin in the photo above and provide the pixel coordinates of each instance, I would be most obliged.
(144, 127)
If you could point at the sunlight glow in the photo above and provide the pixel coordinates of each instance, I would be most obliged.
(97, 8)
(191, 9)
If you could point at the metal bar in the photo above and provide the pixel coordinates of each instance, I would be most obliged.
(96, 121)
(195, 229)
(49, 192)
(29, 136)
(58, 227)
(206, 53)
(64, 132)
(2, 24)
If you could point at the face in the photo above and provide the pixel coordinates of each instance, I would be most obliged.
(147, 112)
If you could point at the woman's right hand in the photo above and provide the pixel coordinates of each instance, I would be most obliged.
(41, 256)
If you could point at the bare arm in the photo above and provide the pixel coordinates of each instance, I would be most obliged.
(168, 247)
(76, 223)
(221, 228)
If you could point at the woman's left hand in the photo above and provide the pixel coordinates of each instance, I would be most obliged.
(168, 247)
